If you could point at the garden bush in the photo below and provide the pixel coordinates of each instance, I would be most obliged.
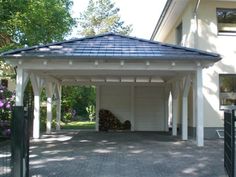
(7, 100)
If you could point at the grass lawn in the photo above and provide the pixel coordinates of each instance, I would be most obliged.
(78, 125)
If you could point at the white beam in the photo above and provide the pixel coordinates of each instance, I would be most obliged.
(49, 93)
(199, 110)
(97, 106)
(58, 118)
(166, 106)
(36, 84)
(170, 107)
(97, 65)
(36, 121)
(186, 87)
(132, 117)
(175, 107)
(22, 78)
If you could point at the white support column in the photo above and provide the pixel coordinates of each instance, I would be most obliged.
(170, 108)
(199, 109)
(49, 93)
(58, 118)
(97, 106)
(175, 107)
(166, 107)
(186, 88)
(132, 96)
(36, 84)
(21, 81)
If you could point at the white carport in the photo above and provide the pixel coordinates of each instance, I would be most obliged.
(132, 76)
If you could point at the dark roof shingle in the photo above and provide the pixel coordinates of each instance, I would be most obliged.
(111, 45)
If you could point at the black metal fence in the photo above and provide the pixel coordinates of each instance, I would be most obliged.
(5, 158)
(20, 143)
(229, 142)
(5, 149)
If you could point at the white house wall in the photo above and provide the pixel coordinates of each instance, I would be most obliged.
(148, 105)
(207, 39)
(225, 45)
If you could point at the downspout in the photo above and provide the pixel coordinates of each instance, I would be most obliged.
(195, 16)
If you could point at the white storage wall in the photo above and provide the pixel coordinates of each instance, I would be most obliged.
(117, 100)
(148, 105)
(149, 108)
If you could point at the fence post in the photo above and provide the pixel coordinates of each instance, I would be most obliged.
(229, 142)
(19, 143)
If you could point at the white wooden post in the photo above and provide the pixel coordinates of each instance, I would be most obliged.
(36, 84)
(58, 118)
(170, 109)
(49, 93)
(97, 106)
(22, 78)
(199, 110)
(132, 96)
(166, 106)
(175, 107)
(186, 88)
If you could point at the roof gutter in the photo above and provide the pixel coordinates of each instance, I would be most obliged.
(163, 14)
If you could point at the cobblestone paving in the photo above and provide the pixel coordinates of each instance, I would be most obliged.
(124, 154)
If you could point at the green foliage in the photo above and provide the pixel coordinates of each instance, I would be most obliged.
(43, 118)
(91, 112)
(102, 16)
(75, 100)
(28, 22)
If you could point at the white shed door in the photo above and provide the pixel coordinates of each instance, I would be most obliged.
(149, 108)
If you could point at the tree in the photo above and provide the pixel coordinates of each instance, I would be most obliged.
(78, 100)
(102, 16)
(28, 22)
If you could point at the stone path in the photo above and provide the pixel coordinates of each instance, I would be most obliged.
(124, 154)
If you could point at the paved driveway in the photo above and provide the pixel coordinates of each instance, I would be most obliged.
(116, 154)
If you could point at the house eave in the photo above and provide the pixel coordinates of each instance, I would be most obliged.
(161, 18)
(171, 12)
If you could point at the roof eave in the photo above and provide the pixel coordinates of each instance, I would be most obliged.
(161, 18)
(157, 58)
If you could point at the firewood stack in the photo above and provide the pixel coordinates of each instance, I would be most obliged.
(108, 121)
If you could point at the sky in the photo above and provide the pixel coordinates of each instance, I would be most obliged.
(142, 14)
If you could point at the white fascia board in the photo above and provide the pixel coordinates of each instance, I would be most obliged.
(162, 65)
(175, 10)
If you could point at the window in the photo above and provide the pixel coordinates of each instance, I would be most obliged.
(4, 82)
(226, 20)
(227, 84)
(179, 34)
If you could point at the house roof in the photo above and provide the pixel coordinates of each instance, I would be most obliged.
(111, 46)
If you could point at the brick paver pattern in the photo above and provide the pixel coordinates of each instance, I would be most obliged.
(123, 154)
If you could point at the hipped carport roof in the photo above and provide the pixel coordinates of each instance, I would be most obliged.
(111, 46)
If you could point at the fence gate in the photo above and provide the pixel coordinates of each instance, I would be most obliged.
(229, 142)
